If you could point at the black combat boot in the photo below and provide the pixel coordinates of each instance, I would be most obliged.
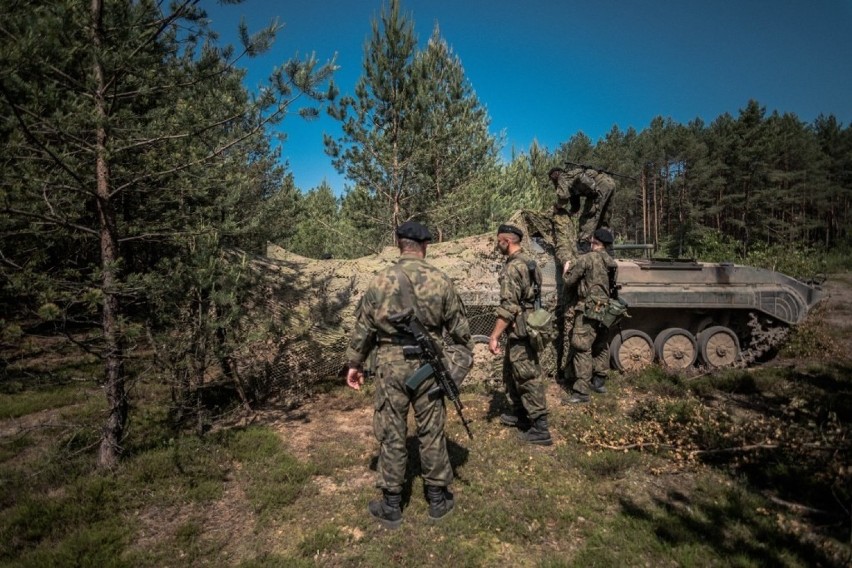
(387, 509)
(440, 501)
(576, 398)
(598, 384)
(538, 434)
(518, 419)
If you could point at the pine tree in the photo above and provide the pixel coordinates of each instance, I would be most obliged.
(457, 147)
(379, 146)
(415, 136)
(129, 144)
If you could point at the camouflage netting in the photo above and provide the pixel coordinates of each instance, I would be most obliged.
(314, 302)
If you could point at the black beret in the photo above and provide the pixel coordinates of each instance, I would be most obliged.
(510, 229)
(604, 236)
(414, 231)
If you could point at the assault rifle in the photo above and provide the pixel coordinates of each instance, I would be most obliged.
(597, 169)
(430, 355)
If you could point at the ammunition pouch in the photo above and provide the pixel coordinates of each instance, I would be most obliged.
(457, 360)
(607, 312)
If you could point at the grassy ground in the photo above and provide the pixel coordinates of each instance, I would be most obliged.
(741, 468)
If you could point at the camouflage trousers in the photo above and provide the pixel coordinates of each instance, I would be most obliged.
(522, 379)
(590, 352)
(390, 423)
(595, 213)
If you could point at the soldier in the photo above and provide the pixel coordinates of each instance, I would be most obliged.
(439, 308)
(521, 370)
(595, 188)
(589, 278)
(565, 245)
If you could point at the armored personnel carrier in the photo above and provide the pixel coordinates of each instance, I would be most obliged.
(682, 313)
(716, 314)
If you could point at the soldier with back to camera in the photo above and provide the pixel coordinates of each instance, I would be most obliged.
(589, 279)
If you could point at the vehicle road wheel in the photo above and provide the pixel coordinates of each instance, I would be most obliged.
(631, 350)
(718, 346)
(676, 348)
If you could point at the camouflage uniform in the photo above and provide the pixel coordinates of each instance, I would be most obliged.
(589, 278)
(521, 370)
(438, 307)
(597, 189)
(565, 240)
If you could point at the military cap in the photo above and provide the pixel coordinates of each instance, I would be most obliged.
(414, 231)
(604, 236)
(510, 229)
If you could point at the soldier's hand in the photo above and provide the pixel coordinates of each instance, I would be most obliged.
(566, 268)
(354, 378)
(494, 345)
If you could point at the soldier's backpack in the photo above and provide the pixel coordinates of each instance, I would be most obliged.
(538, 325)
(610, 311)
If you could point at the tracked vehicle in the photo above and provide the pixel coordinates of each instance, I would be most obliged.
(715, 314)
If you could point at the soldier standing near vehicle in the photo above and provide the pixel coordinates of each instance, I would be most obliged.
(439, 308)
(521, 370)
(590, 279)
(565, 245)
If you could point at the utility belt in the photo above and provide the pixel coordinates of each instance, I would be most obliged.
(410, 348)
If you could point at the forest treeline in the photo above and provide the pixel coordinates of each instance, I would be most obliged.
(137, 166)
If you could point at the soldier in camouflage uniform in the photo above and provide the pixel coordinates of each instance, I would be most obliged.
(521, 370)
(439, 308)
(564, 232)
(590, 278)
(595, 189)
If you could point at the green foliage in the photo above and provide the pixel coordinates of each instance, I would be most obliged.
(711, 246)
(316, 225)
(798, 261)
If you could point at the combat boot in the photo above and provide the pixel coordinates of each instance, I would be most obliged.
(518, 419)
(598, 384)
(538, 434)
(387, 510)
(441, 501)
(576, 398)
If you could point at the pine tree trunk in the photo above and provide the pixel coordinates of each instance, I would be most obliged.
(113, 429)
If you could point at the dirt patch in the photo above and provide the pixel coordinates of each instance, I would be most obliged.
(323, 420)
(836, 309)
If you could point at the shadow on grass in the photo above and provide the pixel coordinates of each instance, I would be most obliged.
(801, 465)
(731, 523)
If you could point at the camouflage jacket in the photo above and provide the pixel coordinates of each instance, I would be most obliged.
(439, 307)
(516, 290)
(581, 182)
(590, 277)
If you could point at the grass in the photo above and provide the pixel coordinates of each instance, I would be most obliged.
(742, 468)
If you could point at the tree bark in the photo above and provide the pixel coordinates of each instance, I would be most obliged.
(114, 386)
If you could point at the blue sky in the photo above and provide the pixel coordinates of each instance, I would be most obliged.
(547, 69)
